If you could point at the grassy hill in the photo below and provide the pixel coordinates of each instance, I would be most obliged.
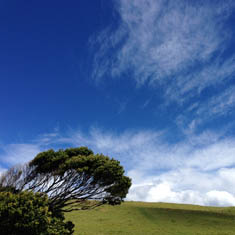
(139, 218)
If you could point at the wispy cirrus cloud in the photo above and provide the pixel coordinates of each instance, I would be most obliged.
(178, 43)
(180, 48)
(19, 153)
(200, 113)
(191, 84)
(221, 104)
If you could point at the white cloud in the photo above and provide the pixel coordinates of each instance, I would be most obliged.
(220, 198)
(2, 170)
(221, 104)
(19, 153)
(178, 47)
(162, 41)
(163, 193)
(217, 155)
(193, 83)
(148, 150)
(204, 112)
(187, 186)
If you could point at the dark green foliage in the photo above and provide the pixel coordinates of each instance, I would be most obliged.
(51, 161)
(28, 213)
(77, 175)
(72, 179)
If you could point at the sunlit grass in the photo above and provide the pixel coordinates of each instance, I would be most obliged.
(138, 218)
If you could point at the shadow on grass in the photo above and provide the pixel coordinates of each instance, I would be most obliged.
(153, 214)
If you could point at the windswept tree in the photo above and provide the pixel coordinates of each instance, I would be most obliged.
(73, 179)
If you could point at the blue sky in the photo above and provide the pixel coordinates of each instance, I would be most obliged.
(150, 83)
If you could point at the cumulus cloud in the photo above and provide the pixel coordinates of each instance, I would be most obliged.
(163, 193)
(187, 186)
(178, 43)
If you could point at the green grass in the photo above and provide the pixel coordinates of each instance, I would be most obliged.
(139, 218)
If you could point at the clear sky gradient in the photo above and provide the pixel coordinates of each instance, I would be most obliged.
(150, 83)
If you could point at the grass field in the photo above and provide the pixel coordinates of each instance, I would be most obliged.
(139, 218)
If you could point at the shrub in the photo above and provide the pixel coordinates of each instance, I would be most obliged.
(28, 213)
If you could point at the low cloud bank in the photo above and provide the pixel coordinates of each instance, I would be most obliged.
(163, 193)
(194, 172)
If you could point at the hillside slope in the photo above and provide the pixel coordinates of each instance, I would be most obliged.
(139, 218)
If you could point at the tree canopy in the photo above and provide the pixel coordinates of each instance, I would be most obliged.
(73, 179)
